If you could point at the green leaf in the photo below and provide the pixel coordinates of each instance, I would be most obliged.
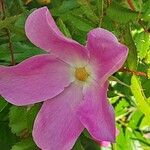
(22, 126)
(63, 28)
(80, 23)
(78, 145)
(145, 122)
(132, 55)
(113, 78)
(139, 138)
(148, 73)
(147, 58)
(146, 11)
(65, 8)
(100, 5)
(18, 119)
(123, 141)
(87, 10)
(140, 98)
(142, 43)
(121, 108)
(18, 31)
(16, 7)
(89, 144)
(3, 103)
(7, 139)
(135, 119)
(8, 22)
(21, 51)
(31, 114)
(120, 14)
(26, 144)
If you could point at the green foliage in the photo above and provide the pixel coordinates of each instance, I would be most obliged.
(88, 11)
(63, 28)
(143, 44)
(140, 98)
(26, 144)
(5, 132)
(132, 56)
(121, 14)
(21, 121)
(3, 104)
(8, 22)
(22, 124)
(129, 94)
(7, 139)
(16, 7)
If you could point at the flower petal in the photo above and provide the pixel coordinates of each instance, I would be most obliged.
(42, 31)
(106, 52)
(34, 80)
(56, 126)
(96, 114)
(106, 143)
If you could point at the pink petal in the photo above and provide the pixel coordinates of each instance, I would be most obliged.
(56, 126)
(42, 31)
(106, 143)
(34, 80)
(96, 114)
(106, 52)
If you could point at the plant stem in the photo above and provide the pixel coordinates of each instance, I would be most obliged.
(8, 35)
(112, 146)
(130, 2)
(11, 48)
(101, 13)
(137, 73)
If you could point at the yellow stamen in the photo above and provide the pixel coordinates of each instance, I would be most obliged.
(81, 74)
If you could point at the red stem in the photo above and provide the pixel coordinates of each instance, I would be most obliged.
(130, 2)
(137, 73)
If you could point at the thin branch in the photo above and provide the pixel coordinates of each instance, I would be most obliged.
(112, 146)
(143, 26)
(137, 73)
(130, 3)
(102, 14)
(3, 8)
(11, 48)
(8, 35)
(3, 35)
(27, 2)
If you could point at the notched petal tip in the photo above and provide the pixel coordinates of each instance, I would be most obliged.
(43, 32)
(37, 28)
(108, 53)
(102, 33)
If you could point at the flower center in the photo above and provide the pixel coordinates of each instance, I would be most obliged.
(81, 74)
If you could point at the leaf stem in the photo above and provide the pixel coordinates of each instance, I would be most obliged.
(112, 146)
(3, 8)
(130, 2)
(143, 26)
(137, 73)
(102, 13)
(11, 48)
(8, 35)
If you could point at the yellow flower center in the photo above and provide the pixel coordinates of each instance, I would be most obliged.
(81, 74)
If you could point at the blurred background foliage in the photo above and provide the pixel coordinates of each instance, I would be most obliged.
(129, 90)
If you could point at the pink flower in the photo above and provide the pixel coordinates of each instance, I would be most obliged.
(106, 143)
(71, 80)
